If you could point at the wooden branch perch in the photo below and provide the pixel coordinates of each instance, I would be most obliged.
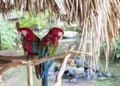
(36, 58)
(63, 66)
(12, 58)
(3, 63)
(21, 60)
(7, 66)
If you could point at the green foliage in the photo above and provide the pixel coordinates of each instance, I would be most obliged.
(117, 49)
(44, 21)
(7, 32)
(115, 54)
(29, 20)
(72, 27)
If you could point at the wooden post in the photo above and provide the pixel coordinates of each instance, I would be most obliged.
(1, 84)
(30, 77)
(0, 41)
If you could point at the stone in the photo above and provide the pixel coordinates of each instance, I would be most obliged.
(70, 34)
(108, 74)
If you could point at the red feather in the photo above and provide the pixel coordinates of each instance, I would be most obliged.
(52, 36)
(29, 38)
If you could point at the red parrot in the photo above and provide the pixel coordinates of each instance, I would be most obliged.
(48, 47)
(30, 44)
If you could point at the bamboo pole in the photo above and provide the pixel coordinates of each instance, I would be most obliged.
(30, 77)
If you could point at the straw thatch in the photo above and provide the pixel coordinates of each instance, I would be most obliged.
(98, 18)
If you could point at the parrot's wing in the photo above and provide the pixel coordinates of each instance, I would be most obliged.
(46, 51)
(35, 47)
(46, 67)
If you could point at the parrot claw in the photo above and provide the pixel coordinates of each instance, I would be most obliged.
(29, 57)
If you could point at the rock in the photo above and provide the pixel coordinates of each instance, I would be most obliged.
(99, 74)
(53, 77)
(92, 73)
(101, 78)
(109, 74)
(73, 72)
(78, 62)
(87, 73)
(70, 34)
(74, 80)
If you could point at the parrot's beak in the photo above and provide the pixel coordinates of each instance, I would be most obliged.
(60, 35)
(19, 34)
(22, 37)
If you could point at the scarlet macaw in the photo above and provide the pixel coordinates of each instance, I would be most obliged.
(30, 44)
(48, 47)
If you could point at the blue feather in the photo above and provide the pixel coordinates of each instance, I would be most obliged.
(34, 47)
(45, 65)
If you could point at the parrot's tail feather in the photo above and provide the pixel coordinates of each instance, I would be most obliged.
(37, 70)
(45, 80)
(43, 74)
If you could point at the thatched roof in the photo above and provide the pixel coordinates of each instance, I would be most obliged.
(99, 19)
(66, 9)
